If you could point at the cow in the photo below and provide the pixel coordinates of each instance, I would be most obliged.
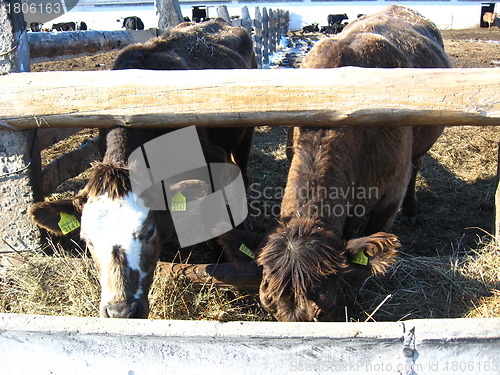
(132, 23)
(124, 236)
(335, 29)
(312, 28)
(81, 26)
(346, 180)
(327, 30)
(64, 26)
(489, 18)
(199, 14)
(336, 19)
(36, 26)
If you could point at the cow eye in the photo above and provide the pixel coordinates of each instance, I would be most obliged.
(150, 233)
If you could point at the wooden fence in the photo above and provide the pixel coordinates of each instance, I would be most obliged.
(266, 29)
(336, 97)
(348, 96)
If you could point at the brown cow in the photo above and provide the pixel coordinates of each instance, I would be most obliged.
(124, 236)
(342, 178)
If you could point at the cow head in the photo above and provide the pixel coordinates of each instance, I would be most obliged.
(303, 264)
(123, 235)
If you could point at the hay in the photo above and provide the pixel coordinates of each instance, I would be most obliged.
(59, 284)
(176, 297)
(421, 287)
(435, 287)
(65, 284)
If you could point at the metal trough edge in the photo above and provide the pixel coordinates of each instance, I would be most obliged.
(62, 345)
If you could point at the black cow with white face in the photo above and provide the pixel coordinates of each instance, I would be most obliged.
(132, 23)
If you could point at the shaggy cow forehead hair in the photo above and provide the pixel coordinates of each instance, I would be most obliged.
(299, 256)
(108, 179)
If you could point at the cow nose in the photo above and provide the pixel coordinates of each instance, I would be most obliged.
(125, 309)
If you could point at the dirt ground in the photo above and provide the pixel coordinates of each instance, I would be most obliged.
(457, 184)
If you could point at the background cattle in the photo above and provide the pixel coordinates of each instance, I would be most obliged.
(64, 26)
(124, 236)
(336, 19)
(336, 171)
(312, 28)
(132, 23)
(199, 13)
(81, 26)
(36, 26)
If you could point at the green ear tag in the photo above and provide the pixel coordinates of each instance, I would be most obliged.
(360, 258)
(178, 202)
(68, 223)
(245, 250)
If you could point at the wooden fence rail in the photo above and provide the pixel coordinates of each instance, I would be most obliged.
(69, 44)
(334, 97)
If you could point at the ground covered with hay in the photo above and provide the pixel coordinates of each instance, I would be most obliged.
(449, 266)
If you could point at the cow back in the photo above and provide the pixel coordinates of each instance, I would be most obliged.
(397, 37)
(208, 45)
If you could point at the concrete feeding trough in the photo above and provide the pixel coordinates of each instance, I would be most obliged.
(59, 345)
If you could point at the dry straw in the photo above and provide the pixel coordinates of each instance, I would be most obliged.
(421, 287)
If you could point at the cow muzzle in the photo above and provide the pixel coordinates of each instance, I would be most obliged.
(125, 309)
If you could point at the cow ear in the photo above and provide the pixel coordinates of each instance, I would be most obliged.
(240, 246)
(375, 253)
(58, 217)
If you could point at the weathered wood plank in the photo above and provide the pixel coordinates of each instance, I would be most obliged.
(497, 200)
(169, 13)
(221, 275)
(313, 97)
(69, 44)
(69, 165)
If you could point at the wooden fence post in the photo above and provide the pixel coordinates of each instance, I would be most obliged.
(223, 12)
(19, 155)
(287, 21)
(272, 30)
(265, 37)
(497, 200)
(257, 36)
(279, 24)
(246, 20)
(169, 13)
(283, 23)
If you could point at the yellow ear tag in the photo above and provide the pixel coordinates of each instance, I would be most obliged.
(360, 258)
(245, 250)
(68, 223)
(178, 202)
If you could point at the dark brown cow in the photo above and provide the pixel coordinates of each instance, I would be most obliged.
(124, 236)
(341, 178)
(336, 19)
